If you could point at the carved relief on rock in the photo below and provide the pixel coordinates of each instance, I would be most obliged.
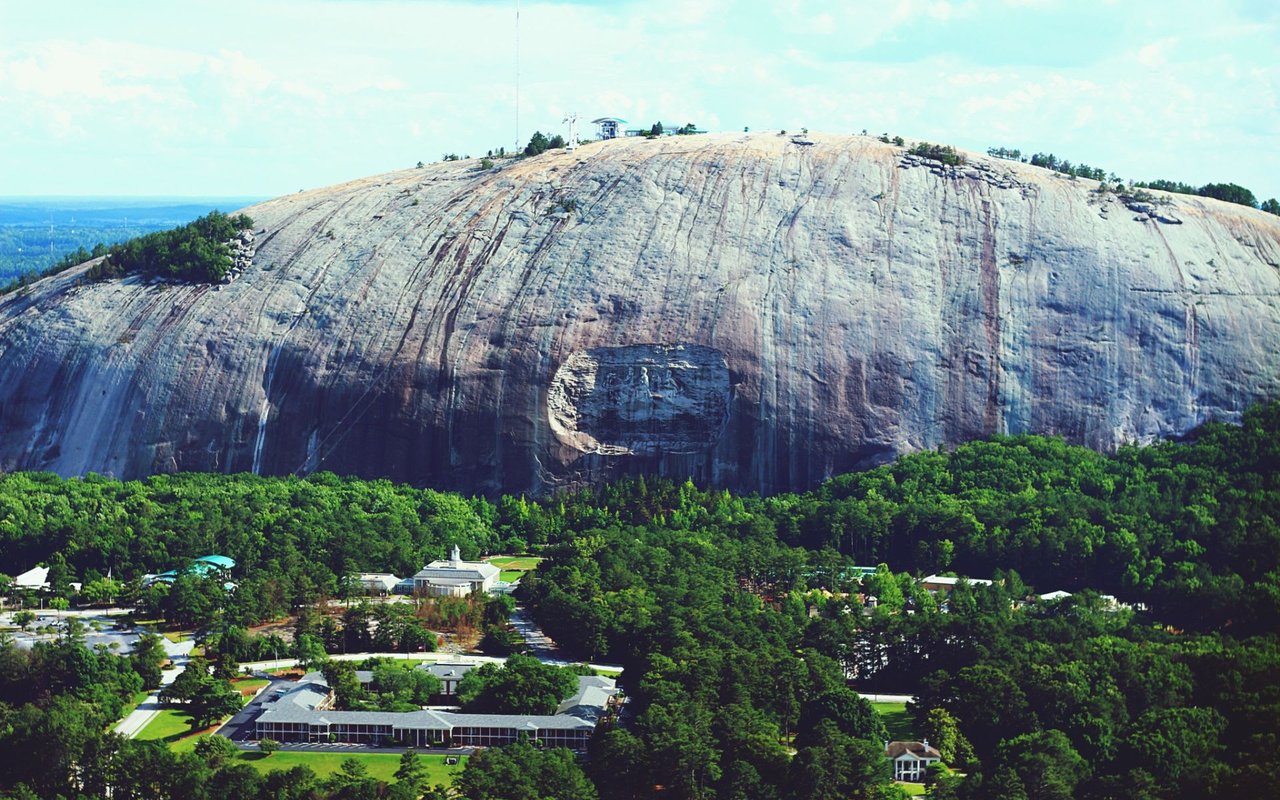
(643, 399)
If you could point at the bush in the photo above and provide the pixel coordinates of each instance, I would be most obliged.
(938, 152)
(539, 143)
(268, 746)
(486, 163)
(1229, 192)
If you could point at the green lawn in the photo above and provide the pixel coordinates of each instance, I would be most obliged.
(898, 721)
(521, 563)
(381, 765)
(912, 789)
(248, 684)
(173, 727)
(514, 567)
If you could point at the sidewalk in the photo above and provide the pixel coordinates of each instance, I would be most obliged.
(132, 725)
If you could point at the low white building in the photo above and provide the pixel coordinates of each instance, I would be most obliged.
(455, 577)
(34, 578)
(608, 127)
(945, 583)
(376, 583)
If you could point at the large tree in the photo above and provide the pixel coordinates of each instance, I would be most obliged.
(520, 771)
(524, 685)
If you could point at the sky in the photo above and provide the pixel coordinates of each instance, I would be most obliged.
(263, 98)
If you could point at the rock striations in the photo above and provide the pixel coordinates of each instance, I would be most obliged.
(748, 310)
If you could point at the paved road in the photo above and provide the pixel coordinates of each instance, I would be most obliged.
(178, 653)
(540, 645)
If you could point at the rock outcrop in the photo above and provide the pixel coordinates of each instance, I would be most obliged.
(748, 310)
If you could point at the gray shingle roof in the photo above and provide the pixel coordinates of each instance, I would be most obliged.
(447, 670)
(580, 712)
(917, 749)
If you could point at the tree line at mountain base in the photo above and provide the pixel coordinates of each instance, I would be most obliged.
(746, 625)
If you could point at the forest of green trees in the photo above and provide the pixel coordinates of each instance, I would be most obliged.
(741, 622)
(1228, 192)
(197, 252)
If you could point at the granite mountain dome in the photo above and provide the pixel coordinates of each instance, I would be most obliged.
(753, 311)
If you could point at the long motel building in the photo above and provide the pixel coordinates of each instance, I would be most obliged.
(305, 714)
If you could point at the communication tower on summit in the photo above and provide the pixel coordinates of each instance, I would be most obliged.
(517, 76)
(571, 120)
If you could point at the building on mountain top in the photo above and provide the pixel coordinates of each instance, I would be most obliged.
(608, 127)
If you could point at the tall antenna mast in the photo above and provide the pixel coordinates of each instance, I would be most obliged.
(517, 76)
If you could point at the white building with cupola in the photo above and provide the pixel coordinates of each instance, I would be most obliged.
(455, 577)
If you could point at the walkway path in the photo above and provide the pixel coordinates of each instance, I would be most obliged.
(178, 653)
(540, 645)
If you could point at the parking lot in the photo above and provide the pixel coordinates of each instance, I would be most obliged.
(99, 629)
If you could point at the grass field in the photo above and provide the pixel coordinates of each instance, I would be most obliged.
(514, 567)
(912, 789)
(898, 721)
(380, 765)
(251, 685)
(173, 727)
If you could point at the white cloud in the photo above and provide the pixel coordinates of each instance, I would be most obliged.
(272, 95)
(1155, 54)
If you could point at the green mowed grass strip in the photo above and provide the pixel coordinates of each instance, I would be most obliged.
(173, 727)
(380, 765)
(912, 789)
(515, 563)
(897, 720)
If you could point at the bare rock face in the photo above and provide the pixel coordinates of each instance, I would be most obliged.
(747, 310)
